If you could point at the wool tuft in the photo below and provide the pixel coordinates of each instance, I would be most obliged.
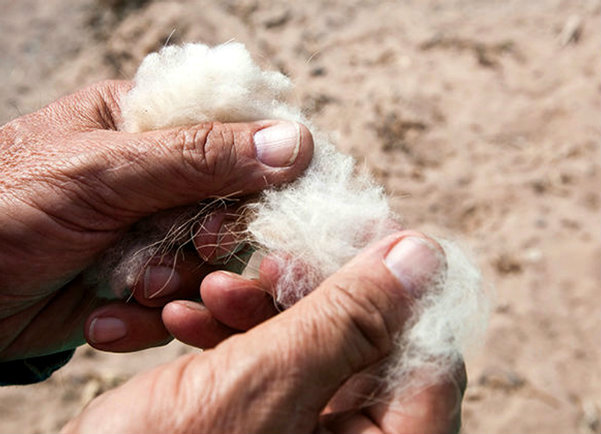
(312, 226)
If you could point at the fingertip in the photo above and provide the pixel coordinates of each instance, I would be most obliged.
(269, 273)
(283, 144)
(416, 262)
(219, 236)
(238, 302)
(205, 235)
(104, 330)
(121, 327)
(193, 324)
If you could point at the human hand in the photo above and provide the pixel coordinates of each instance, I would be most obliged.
(72, 185)
(281, 375)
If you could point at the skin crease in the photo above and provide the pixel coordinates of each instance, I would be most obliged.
(72, 184)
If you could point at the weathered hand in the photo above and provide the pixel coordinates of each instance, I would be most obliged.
(281, 375)
(72, 184)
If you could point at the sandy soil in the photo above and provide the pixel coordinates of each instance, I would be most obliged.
(481, 118)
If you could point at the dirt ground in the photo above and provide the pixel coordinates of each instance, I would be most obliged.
(481, 118)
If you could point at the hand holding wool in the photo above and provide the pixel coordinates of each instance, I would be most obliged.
(314, 225)
(281, 376)
(72, 185)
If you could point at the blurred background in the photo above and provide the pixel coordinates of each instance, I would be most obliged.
(481, 118)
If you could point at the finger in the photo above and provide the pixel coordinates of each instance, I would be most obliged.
(170, 277)
(360, 402)
(434, 410)
(235, 301)
(219, 236)
(122, 327)
(350, 423)
(349, 323)
(132, 175)
(193, 324)
(269, 274)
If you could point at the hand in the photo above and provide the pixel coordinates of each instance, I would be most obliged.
(281, 375)
(71, 186)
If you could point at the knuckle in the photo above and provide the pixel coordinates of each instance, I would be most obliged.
(460, 378)
(111, 85)
(364, 318)
(208, 149)
(107, 94)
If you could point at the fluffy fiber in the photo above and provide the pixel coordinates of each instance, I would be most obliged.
(195, 83)
(447, 322)
(317, 223)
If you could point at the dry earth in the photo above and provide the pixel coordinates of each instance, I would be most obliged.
(481, 118)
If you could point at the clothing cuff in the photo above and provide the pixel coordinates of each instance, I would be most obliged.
(32, 370)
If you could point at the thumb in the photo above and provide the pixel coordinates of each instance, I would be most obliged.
(349, 323)
(147, 172)
(127, 175)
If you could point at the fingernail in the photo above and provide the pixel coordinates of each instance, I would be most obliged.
(278, 145)
(228, 243)
(160, 281)
(205, 234)
(191, 305)
(416, 263)
(106, 329)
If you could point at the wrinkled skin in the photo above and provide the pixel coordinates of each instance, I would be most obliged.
(73, 184)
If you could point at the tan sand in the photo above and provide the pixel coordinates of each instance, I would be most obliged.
(481, 119)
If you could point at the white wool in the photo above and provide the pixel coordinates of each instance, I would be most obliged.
(315, 224)
(312, 225)
(195, 83)
(447, 321)
(319, 222)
